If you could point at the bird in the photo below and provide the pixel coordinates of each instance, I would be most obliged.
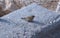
(29, 18)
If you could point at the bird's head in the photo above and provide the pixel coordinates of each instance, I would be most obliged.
(33, 16)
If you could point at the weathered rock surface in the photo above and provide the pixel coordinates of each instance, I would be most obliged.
(45, 24)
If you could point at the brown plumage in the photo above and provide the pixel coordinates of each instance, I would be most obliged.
(29, 18)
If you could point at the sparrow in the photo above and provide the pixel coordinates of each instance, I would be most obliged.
(29, 18)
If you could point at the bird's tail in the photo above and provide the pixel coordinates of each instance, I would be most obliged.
(22, 18)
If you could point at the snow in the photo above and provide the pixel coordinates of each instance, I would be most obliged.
(12, 26)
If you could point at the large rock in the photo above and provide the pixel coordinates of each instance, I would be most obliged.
(12, 26)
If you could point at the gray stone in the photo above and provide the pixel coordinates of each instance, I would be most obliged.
(43, 25)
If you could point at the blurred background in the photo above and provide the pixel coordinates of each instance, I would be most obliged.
(7, 6)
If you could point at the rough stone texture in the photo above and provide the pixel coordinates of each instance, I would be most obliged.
(43, 25)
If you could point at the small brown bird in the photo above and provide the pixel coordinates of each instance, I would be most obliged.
(29, 18)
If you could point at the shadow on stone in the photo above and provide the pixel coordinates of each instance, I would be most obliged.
(36, 22)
